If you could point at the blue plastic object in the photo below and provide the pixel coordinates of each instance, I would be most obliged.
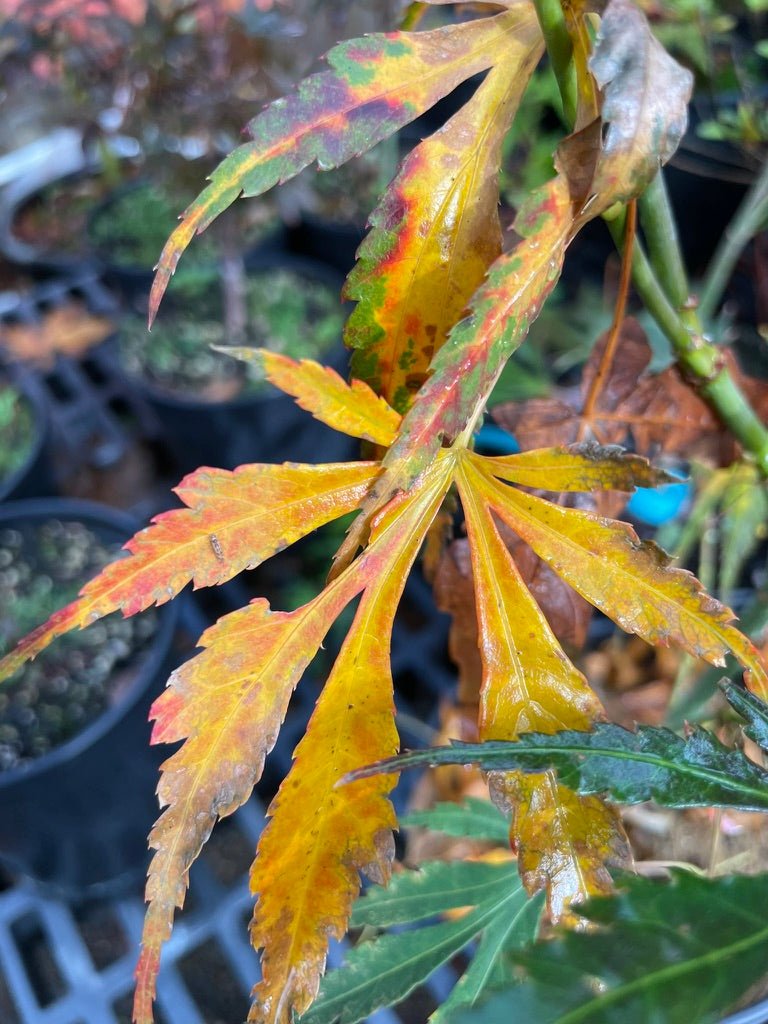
(492, 440)
(657, 505)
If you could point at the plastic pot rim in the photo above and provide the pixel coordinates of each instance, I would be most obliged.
(73, 159)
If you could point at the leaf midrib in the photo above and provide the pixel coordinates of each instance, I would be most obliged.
(474, 922)
(514, 498)
(662, 976)
(317, 126)
(673, 767)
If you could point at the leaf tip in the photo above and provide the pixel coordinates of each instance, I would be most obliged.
(146, 975)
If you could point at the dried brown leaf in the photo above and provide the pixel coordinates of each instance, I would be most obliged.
(69, 329)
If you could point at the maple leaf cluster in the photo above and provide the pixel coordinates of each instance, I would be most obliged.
(440, 309)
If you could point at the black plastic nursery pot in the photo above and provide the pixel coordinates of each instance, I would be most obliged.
(33, 477)
(257, 426)
(76, 819)
(66, 162)
(121, 265)
(334, 243)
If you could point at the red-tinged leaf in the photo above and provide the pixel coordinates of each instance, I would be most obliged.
(645, 99)
(234, 521)
(227, 704)
(306, 873)
(375, 86)
(436, 232)
(503, 308)
(352, 408)
(529, 684)
(631, 581)
(467, 366)
(577, 467)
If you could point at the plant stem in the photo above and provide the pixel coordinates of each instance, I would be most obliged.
(669, 305)
(661, 237)
(600, 377)
(560, 50)
(413, 14)
(699, 359)
(747, 221)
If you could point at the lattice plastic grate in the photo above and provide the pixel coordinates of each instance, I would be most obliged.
(61, 964)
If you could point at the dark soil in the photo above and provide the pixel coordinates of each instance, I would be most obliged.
(55, 220)
(42, 567)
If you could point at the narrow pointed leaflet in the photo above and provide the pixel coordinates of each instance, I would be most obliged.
(380, 972)
(577, 467)
(466, 367)
(502, 310)
(564, 840)
(528, 681)
(592, 177)
(376, 85)
(631, 581)
(352, 408)
(679, 952)
(435, 233)
(320, 836)
(228, 703)
(652, 763)
(234, 521)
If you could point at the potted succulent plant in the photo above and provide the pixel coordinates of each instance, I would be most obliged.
(218, 411)
(127, 229)
(73, 723)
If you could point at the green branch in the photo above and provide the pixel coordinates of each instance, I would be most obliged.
(700, 360)
(748, 220)
(661, 279)
(560, 50)
(663, 243)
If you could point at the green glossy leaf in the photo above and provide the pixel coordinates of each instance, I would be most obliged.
(479, 819)
(383, 971)
(630, 767)
(750, 707)
(436, 887)
(676, 953)
(489, 967)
